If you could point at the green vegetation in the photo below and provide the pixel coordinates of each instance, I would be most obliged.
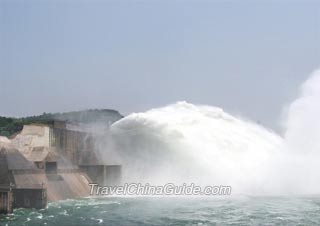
(9, 126)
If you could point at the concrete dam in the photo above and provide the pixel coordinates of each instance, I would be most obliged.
(50, 162)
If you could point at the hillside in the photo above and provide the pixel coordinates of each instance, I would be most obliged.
(9, 126)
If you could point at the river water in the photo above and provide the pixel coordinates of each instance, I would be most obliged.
(234, 210)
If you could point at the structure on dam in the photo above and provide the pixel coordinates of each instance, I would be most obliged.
(46, 163)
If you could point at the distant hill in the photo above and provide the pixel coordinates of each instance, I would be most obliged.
(9, 126)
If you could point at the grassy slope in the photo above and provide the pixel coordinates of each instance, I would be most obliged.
(9, 126)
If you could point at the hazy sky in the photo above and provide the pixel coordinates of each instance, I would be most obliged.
(246, 57)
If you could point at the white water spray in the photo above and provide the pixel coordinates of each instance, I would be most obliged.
(303, 124)
(201, 144)
(188, 143)
(301, 156)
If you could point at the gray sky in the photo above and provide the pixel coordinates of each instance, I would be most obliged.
(246, 57)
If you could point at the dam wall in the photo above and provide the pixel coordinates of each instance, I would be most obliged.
(47, 163)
